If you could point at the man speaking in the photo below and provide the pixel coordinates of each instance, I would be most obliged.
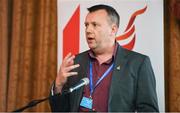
(119, 80)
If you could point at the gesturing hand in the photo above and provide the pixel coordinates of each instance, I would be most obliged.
(65, 71)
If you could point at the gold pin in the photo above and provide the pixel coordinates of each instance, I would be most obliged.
(119, 67)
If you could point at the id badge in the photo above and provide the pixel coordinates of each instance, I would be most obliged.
(86, 102)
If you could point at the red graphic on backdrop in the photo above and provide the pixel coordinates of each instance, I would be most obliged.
(130, 29)
(71, 32)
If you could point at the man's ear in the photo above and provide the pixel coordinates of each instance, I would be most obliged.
(114, 29)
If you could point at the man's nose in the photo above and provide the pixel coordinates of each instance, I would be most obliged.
(89, 29)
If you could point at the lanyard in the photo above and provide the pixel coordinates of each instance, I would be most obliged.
(101, 78)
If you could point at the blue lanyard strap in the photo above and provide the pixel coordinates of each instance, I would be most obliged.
(101, 78)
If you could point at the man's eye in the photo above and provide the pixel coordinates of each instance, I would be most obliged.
(86, 25)
(94, 24)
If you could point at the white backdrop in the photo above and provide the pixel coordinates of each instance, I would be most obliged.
(148, 31)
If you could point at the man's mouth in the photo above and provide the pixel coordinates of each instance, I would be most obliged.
(90, 38)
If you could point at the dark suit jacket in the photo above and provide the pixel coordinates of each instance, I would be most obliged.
(133, 85)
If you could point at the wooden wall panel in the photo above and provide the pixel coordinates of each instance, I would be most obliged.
(172, 56)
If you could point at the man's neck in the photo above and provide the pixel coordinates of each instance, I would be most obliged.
(104, 54)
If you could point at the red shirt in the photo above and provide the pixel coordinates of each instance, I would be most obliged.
(101, 92)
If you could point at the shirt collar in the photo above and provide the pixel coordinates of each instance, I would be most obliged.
(92, 56)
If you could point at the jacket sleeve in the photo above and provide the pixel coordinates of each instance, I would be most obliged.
(146, 100)
(59, 103)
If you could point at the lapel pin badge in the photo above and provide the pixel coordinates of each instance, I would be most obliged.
(119, 67)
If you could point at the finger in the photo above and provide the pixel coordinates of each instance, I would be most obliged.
(70, 58)
(67, 56)
(71, 74)
(71, 67)
(69, 61)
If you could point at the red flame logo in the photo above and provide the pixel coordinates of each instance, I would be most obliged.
(130, 30)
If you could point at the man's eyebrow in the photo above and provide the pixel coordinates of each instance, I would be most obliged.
(90, 22)
(94, 22)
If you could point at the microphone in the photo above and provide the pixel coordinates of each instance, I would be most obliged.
(82, 82)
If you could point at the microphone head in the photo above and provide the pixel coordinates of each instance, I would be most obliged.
(86, 80)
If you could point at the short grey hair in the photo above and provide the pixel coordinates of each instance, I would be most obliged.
(112, 13)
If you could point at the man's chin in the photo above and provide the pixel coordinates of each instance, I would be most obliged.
(91, 46)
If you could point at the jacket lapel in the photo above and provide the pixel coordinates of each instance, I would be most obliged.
(120, 61)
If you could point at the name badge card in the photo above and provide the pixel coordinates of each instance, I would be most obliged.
(86, 102)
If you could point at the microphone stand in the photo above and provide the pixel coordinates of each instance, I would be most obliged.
(35, 102)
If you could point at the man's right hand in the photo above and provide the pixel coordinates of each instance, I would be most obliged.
(65, 71)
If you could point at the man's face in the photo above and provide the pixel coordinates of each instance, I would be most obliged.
(98, 30)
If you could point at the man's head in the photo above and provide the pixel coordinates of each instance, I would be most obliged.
(112, 13)
(101, 24)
